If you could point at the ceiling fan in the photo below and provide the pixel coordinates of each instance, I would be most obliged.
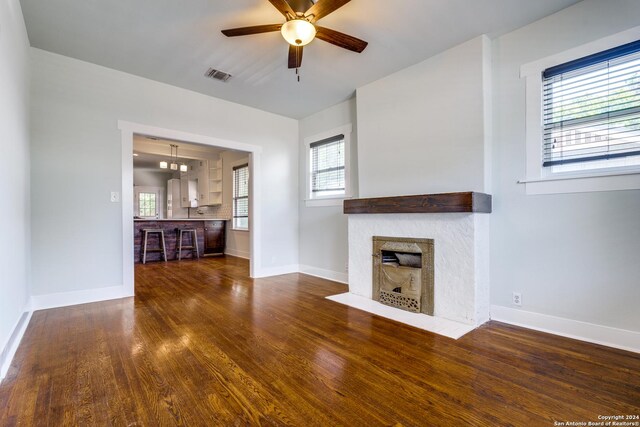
(300, 28)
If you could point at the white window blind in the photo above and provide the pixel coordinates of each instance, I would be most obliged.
(591, 109)
(328, 166)
(241, 196)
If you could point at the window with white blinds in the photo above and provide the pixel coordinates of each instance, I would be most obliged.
(327, 161)
(241, 197)
(591, 111)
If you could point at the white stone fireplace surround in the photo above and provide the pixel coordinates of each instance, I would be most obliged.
(458, 223)
(461, 250)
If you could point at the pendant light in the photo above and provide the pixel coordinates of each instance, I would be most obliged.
(183, 167)
(174, 163)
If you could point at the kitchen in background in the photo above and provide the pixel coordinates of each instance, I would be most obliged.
(181, 189)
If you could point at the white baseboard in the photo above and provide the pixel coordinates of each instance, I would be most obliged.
(334, 276)
(64, 299)
(237, 253)
(276, 271)
(306, 269)
(9, 351)
(597, 334)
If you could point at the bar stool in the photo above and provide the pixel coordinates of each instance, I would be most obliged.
(145, 249)
(194, 242)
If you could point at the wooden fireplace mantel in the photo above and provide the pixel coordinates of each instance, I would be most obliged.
(470, 202)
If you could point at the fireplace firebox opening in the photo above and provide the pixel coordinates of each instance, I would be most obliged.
(403, 273)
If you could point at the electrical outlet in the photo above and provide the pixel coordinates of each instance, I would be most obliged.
(346, 266)
(115, 196)
(517, 298)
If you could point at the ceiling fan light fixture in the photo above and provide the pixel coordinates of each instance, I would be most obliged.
(298, 32)
(300, 29)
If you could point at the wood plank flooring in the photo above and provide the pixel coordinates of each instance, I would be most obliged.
(201, 344)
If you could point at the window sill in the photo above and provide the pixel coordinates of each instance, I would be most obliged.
(246, 230)
(612, 181)
(329, 201)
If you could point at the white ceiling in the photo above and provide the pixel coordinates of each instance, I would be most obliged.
(177, 41)
(151, 162)
(153, 150)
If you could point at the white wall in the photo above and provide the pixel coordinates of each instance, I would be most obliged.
(14, 173)
(77, 232)
(574, 256)
(237, 241)
(424, 129)
(323, 229)
(149, 178)
(408, 139)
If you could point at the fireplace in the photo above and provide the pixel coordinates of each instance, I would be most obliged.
(454, 282)
(403, 273)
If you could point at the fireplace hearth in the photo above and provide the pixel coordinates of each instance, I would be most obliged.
(403, 273)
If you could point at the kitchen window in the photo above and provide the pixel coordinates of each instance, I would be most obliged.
(241, 197)
(147, 205)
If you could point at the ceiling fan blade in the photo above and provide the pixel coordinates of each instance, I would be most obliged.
(256, 29)
(295, 56)
(324, 7)
(340, 39)
(284, 8)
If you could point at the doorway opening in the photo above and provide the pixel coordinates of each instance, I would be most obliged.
(174, 181)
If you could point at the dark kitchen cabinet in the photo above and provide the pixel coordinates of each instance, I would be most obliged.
(214, 237)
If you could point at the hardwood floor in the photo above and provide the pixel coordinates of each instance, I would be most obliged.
(203, 345)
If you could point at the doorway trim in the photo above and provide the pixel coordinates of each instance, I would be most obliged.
(128, 129)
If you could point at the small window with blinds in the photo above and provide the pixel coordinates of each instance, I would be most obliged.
(591, 111)
(327, 161)
(241, 197)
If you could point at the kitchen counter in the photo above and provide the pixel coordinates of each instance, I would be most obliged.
(182, 219)
(210, 232)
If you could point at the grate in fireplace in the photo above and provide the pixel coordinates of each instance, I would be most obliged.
(400, 301)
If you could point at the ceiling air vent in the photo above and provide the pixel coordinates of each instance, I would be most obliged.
(217, 75)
